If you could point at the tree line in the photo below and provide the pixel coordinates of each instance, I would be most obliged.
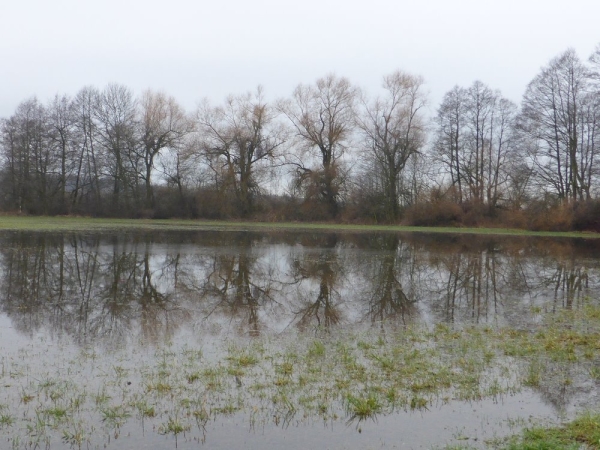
(329, 151)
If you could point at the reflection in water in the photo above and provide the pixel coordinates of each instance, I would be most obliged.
(318, 275)
(108, 288)
(388, 298)
(91, 288)
(235, 284)
(570, 282)
(471, 285)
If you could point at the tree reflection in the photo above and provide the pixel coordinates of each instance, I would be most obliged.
(160, 313)
(388, 299)
(475, 281)
(147, 286)
(561, 277)
(570, 281)
(317, 275)
(92, 290)
(239, 283)
(29, 291)
(471, 285)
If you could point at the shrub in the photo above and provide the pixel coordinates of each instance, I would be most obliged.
(547, 216)
(477, 214)
(513, 218)
(438, 213)
(586, 216)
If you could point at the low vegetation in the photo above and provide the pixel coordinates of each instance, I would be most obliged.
(82, 396)
(62, 223)
(583, 432)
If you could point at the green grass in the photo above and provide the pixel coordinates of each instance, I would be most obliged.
(583, 432)
(115, 416)
(362, 407)
(349, 375)
(6, 420)
(173, 426)
(45, 223)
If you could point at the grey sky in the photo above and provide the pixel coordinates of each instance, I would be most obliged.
(195, 49)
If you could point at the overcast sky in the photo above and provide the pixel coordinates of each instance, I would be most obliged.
(196, 49)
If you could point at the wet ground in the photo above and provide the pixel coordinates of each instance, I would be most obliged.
(265, 340)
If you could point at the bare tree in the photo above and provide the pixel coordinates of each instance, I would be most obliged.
(180, 169)
(450, 143)
(393, 130)
(502, 149)
(551, 116)
(115, 114)
(237, 140)
(479, 113)
(594, 59)
(323, 117)
(590, 124)
(163, 124)
(474, 139)
(29, 163)
(86, 185)
(62, 139)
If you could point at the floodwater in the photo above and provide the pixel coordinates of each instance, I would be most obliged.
(124, 297)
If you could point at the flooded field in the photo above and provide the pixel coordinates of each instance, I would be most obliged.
(222, 339)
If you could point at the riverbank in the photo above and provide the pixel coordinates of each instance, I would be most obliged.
(68, 223)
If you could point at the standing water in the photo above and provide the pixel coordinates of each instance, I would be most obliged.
(305, 340)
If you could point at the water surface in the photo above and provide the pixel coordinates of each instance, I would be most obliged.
(123, 297)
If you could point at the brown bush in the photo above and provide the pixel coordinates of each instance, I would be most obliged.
(512, 219)
(214, 204)
(478, 214)
(431, 214)
(366, 207)
(586, 216)
(545, 216)
(274, 208)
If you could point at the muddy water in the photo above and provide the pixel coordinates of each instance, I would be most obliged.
(124, 297)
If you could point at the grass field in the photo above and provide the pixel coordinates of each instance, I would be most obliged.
(582, 433)
(44, 223)
(82, 396)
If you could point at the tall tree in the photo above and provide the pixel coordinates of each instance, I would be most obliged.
(474, 139)
(479, 112)
(163, 124)
(62, 139)
(393, 130)
(323, 117)
(449, 144)
(116, 114)
(29, 163)
(237, 139)
(594, 59)
(502, 151)
(551, 116)
(87, 182)
(179, 169)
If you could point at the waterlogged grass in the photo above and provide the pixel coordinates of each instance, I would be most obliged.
(362, 407)
(581, 433)
(45, 223)
(81, 398)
